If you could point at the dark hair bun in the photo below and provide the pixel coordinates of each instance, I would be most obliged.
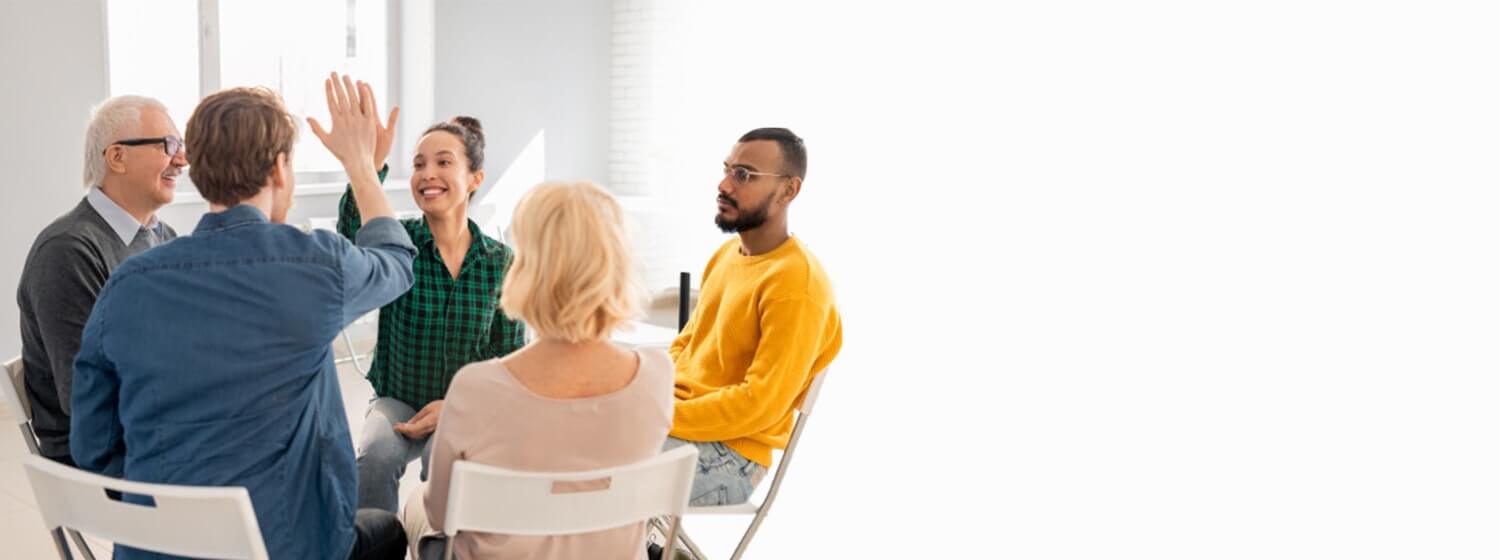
(470, 123)
(468, 131)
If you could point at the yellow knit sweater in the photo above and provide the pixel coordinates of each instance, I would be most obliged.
(763, 327)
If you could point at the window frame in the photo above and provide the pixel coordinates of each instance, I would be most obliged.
(209, 82)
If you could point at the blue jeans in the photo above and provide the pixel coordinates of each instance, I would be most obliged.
(724, 476)
(384, 453)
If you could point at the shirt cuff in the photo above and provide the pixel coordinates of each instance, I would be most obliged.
(383, 231)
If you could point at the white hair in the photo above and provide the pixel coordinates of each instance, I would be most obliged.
(112, 121)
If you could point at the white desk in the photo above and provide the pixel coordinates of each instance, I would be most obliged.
(636, 334)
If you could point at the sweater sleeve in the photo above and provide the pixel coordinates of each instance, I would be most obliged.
(790, 329)
(66, 280)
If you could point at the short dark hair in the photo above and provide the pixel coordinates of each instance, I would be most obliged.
(232, 141)
(793, 151)
(470, 132)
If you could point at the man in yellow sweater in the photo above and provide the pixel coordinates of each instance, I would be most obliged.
(764, 326)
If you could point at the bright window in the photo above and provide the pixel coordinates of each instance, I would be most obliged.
(288, 46)
(161, 62)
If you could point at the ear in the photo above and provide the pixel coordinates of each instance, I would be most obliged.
(478, 180)
(280, 172)
(114, 158)
(792, 189)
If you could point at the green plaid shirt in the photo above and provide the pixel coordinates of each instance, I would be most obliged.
(442, 323)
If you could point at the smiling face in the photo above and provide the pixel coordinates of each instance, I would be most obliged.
(441, 182)
(145, 174)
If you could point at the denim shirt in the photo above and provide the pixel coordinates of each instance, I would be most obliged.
(207, 361)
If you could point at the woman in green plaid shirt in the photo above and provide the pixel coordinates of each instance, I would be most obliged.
(450, 317)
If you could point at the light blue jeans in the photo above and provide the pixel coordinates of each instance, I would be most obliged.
(384, 453)
(724, 476)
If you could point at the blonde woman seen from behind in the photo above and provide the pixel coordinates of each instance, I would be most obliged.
(569, 401)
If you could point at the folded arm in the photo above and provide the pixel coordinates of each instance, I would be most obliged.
(782, 367)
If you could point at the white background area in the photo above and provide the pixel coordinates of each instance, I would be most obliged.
(1119, 280)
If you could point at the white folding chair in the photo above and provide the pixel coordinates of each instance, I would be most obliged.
(195, 521)
(350, 355)
(759, 511)
(17, 403)
(331, 223)
(14, 391)
(659, 486)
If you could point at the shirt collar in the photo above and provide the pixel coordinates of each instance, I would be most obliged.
(235, 216)
(123, 224)
(479, 242)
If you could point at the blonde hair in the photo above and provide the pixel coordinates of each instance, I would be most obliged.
(574, 275)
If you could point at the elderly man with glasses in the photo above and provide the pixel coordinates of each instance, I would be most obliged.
(132, 157)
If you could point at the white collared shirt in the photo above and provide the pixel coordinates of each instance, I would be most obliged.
(124, 224)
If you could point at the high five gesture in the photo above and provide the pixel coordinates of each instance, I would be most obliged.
(355, 136)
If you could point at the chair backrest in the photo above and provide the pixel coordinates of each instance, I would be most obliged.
(657, 486)
(810, 396)
(804, 414)
(768, 492)
(196, 521)
(14, 391)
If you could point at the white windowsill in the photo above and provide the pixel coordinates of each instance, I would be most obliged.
(392, 184)
(642, 203)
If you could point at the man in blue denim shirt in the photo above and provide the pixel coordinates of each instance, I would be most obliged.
(207, 359)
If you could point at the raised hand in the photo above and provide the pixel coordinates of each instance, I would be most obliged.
(354, 139)
(385, 135)
(353, 121)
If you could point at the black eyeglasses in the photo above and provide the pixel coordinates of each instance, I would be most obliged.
(742, 176)
(169, 144)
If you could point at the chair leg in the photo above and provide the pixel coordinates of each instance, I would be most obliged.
(668, 546)
(655, 524)
(353, 357)
(670, 551)
(749, 534)
(83, 547)
(61, 542)
(691, 546)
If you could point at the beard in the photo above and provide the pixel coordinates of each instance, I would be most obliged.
(746, 220)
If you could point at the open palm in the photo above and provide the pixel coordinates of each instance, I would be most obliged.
(351, 110)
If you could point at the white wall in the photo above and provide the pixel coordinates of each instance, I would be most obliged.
(183, 214)
(1139, 280)
(1129, 280)
(55, 69)
(541, 77)
(524, 68)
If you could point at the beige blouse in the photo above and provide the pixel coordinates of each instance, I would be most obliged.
(489, 417)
